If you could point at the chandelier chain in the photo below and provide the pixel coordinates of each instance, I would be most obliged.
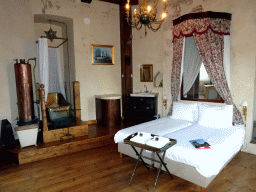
(155, 8)
(140, 4)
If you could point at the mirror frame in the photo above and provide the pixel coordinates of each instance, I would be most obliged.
(156, 79)
(146, 73)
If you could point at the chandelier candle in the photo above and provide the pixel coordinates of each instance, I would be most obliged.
(146, 16)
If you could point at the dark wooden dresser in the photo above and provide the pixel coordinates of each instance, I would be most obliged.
(143, 107)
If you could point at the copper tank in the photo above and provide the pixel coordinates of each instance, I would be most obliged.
(24, 92)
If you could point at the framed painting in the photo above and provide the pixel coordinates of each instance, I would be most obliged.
(102, 55)
(146, 73)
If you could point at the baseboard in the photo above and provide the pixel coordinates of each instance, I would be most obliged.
(91, 122)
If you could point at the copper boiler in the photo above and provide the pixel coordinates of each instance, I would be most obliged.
(24, 92)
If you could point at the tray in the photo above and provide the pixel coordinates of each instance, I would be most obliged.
(147, 147)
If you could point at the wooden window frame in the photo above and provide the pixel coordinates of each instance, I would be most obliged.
(195, 99)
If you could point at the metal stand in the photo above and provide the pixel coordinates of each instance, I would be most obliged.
(154, 160)
(67, 135)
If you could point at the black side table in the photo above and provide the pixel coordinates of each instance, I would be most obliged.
(157, 151)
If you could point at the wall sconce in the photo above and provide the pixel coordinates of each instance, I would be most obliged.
(165, 102)
(245, 104)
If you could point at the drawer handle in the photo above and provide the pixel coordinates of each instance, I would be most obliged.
(141, 99)
(147, 107)
(134, 107)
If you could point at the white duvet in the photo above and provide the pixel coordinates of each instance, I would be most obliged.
(225, 142)
(208, 162)
(162, 126)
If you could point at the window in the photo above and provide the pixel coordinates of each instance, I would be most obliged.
(196, 84)
(202, 89)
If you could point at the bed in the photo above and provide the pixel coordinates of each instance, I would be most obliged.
(189, 121)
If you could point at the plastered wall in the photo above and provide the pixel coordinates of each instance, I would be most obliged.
(102, 29)
(18, 41)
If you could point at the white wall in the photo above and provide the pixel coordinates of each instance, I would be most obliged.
(18, 41)
(148, 50)
(103, 29)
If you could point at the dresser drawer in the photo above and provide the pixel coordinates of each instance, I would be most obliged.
(142, 102)
(142, 109)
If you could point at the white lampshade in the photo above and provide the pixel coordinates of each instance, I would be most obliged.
(244, 103)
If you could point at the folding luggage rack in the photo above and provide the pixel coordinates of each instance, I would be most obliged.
(155, 150)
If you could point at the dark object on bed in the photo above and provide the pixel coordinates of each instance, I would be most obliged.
(200, 143)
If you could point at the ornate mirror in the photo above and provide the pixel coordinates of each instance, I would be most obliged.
(146, 73)
(158, 80)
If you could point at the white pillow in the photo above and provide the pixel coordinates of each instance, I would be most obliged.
(185, 111)
(215, 116)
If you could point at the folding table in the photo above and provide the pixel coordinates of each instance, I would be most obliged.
(155, 150)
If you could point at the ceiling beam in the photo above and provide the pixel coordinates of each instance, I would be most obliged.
(121, 2)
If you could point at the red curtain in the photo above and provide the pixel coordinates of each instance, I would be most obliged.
(210, 46)
(176, 69)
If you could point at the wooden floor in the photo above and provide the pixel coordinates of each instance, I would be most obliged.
(101, 169)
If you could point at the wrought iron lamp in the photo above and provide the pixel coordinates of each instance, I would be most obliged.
(146, 16)
(51, 35)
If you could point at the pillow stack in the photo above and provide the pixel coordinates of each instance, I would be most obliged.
(185, 111)
(215, 116)
(204, 114)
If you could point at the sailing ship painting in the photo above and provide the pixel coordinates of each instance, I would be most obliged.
(102, 55)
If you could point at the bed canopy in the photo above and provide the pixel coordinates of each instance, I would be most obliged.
(208, 30)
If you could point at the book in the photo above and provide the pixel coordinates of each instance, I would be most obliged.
(200, 144)
(148, 139)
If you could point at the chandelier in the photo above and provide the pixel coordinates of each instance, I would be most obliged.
(146, 16)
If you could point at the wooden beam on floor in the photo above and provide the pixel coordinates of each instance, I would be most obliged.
(57, 134)
(96, 136)
(54, 149)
